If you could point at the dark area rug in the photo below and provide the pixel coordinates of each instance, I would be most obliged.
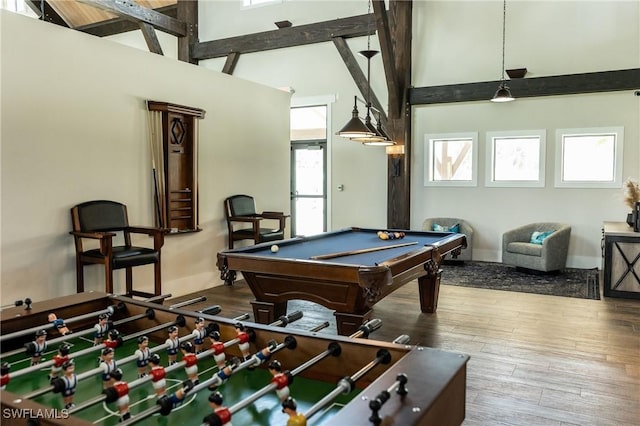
(580, 283)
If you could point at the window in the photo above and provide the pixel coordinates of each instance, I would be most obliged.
(253, 3)
(18, 6)
(589, 158)
(516, 158)
(451, 159)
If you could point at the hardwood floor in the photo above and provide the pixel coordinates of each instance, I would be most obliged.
(535, 360)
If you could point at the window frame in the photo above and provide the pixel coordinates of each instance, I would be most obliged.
(428, 154)
(618, 157)
(490, 165)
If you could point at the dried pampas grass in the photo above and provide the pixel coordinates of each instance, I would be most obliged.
(631, 193)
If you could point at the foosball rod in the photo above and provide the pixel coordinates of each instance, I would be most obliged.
(346, 384)
(140, 380)
(188, 302)
(320, 327)
(148, 314)
(160, 297)
(367, 328)
(251, 362)
(12, 305)
(145, 379)
(333, 349)
(123, 361)
(110, 310)
(81, 333)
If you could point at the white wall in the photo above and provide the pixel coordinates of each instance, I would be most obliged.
(73, 128)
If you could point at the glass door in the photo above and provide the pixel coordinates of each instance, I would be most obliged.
(308, 170)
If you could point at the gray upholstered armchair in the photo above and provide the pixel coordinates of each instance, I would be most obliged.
(448, 222)
(551, 255)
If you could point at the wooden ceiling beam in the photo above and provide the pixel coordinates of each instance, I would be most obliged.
(319, 32)
(568, 84)
(150, 36)
(358, 76)
(50, 15)
(230, 63)
(188, 13)
(388, 56)
(121, 25)
(128, 9)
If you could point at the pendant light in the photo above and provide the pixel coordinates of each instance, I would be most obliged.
(503, 94)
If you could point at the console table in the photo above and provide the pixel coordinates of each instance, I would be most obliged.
(621, 260)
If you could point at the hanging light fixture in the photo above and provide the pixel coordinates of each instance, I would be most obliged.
(503, 94)
(368, 133)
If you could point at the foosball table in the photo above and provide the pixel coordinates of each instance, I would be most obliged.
(176, 366)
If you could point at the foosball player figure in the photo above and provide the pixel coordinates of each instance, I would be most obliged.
(190, 361)
(157, 374)
(66, 385)
(5, 378)
(36, 348)
(169, 402)
(221, 415)
(58, 360)
(199, 333)
(142, 354)
(100, 329)
(114, 340)
(280, 379)
(289, 407)
(173, 344)
(264, 354)
(243, 338)
(59, 324)
(218, 348)
(223, 375)
(108, 366)
(119, 393)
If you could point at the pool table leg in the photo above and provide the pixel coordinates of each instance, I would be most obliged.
(348, 323)
(429, 288)
(268, 312)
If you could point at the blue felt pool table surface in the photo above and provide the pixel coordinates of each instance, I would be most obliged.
(345, 240)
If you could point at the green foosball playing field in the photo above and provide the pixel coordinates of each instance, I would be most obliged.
(266, 410)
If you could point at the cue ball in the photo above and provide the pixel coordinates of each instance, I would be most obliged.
(274, 248)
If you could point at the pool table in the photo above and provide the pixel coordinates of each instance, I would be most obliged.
(348, 270)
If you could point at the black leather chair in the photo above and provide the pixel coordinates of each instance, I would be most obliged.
(241, 210)
(104, 221)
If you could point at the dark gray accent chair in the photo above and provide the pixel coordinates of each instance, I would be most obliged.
(551, 255)
(465, 228)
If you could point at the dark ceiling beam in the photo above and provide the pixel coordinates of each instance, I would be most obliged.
(388, 56)
(355, 26)
(121, 25)
(399, 128)
(230, 63)
(128, 9)
(569, 84)
(358, 76)
(188, 13)
(50, 15)
(151, 38)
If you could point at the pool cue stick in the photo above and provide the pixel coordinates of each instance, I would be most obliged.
(360, 251)
(154, 170)
(110, 310)
(345, 385)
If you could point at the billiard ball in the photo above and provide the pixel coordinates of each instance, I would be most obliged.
(274, 248)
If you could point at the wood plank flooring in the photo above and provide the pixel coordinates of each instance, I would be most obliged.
(535, 360)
